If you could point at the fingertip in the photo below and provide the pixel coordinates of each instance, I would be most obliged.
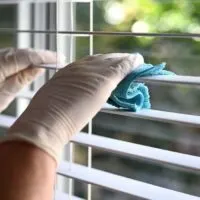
(113, 56)
(61, 58)
(51, 57)
(137, 59)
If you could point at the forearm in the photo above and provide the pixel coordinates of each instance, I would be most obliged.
(26, 172)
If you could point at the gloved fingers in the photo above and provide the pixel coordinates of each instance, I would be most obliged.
(13, 60)
(89, 58)
(110, 64)
(105, 60)
(15, 83)
(137, 61)
(102, 57)
(47, 57)
(93, 63)
(114, 56)
(119, 59)
(12, 85)
(114, 67)
(122, 66)
(83, 60)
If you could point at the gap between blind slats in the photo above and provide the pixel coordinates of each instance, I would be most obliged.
(63, 196)
(120, 184)
(132, 150)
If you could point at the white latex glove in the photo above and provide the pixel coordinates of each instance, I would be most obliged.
(74, 95)
(17, 70)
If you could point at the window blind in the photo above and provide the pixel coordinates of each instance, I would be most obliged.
(35, 29)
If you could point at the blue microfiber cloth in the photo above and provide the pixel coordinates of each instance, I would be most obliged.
(132, 95)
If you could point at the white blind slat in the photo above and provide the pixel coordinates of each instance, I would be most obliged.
(150, 114)
(188, 80)
(63, 196)
(127, 149)
(138, 151)
(6, 121)
(157, 115)
(120, 184)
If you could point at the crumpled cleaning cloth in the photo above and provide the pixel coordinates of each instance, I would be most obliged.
(133, 95)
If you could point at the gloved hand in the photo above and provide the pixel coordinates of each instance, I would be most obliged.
(66, 103)
(17, 70)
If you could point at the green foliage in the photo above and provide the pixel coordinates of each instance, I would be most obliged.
(161, 15)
